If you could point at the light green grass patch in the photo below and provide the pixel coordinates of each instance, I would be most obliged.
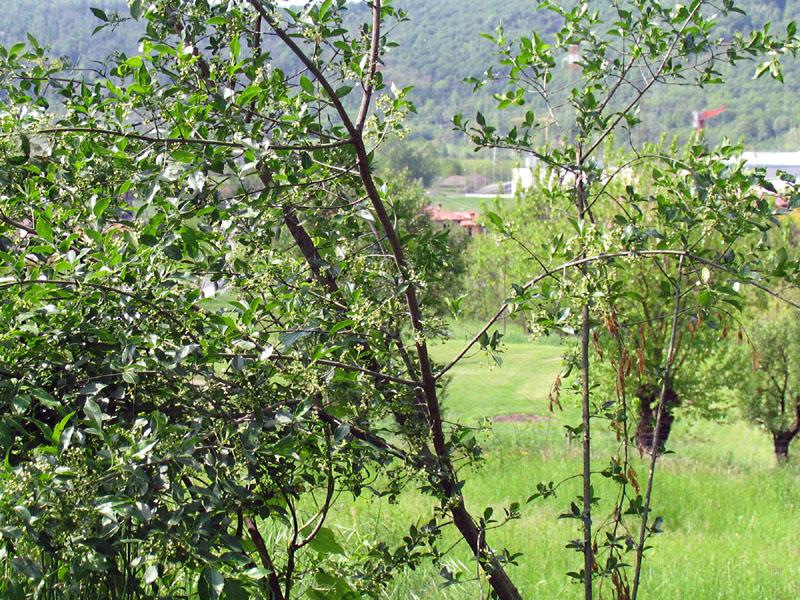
(456, 202)
(730, 513)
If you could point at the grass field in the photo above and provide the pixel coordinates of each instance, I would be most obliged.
(730, 513)
(456, 202)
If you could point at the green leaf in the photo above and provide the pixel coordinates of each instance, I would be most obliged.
(342, 431)
(25, 144)
(211, 584)
(343, 91)
(761, 69)
(185, 351)
(44, 398)
(134, 62)
(137, 9)
(131, 239)
(189, 237)
(99, 14)
(290, 338)
(183, 156)
(341, 325)
(123, 189)
(93, 413)
(16, 49)
(306, 84)
(100, 206)
(27, 567)
(44, 230)
(235, 49)
(234, 591)
(59, 428)
(781, 257)
(325, 542)
(92, 389)
(238, 364)
(23, 513)
(174, 252)
(248, 94)
(497, 221)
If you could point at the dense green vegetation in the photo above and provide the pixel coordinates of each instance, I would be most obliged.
(227, 337)
(760, 112)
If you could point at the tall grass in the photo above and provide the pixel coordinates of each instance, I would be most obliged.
(730, 513)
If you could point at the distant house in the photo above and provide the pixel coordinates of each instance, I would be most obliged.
(786, 162)
(524, 178)
(455, 218)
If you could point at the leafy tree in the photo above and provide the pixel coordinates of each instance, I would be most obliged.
(424, 59)
(683, 218)
(641, 316)
(167, 437)
(498, 259)
(417, 158)
(421, 236)
(771, 388)
(215, 323)
(644, 300)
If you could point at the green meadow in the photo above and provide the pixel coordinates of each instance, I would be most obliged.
(730, 514)
(456, 202)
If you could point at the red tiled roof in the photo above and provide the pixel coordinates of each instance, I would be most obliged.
(462, 217)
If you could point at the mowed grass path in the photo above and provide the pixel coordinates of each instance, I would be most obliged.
(730, 514)
(478, 388)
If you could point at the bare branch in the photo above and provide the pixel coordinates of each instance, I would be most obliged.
(373, 63)
(190, 141)
(655, 445)
(604, 257)
(266, 561)
(17, 224)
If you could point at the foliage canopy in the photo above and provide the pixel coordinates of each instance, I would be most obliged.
(217, 318)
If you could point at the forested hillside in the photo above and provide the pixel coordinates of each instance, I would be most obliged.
(67, 25)
(441, 44)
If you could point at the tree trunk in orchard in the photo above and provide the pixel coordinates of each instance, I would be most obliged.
(782, 439)
(648, 396)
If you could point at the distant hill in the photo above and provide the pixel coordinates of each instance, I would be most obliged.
(441, 45)
(66, 25)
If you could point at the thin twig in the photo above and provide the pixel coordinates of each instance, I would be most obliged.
(188, 140)
(655, 443)
(331, 363)
(603, 257)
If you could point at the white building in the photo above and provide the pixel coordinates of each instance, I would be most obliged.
(774, 161)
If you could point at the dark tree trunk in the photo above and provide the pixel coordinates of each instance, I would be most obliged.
(782, 439)
(648, 412)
